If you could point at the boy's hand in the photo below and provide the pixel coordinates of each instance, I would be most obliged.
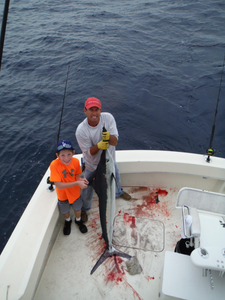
(103, 145)
(83, 183)
(105, 136)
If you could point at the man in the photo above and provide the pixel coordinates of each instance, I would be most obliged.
(90, 139)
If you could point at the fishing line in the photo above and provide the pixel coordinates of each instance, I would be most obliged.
(4, 22)
(210, 151)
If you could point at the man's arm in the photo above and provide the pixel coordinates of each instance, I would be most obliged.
(113, 140)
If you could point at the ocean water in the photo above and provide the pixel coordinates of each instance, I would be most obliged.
(156, 66)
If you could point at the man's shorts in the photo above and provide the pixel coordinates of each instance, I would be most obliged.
(64, 206)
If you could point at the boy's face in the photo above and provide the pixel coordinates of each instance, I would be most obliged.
(65, 156)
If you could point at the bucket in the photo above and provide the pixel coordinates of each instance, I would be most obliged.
(183, 247)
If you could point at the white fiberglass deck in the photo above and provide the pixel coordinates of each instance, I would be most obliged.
(154, 228)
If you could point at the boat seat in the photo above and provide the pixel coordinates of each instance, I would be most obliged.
(202, 200)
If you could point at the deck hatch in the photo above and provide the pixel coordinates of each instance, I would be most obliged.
(139, 233)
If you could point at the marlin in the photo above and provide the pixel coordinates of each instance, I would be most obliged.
(103, 182)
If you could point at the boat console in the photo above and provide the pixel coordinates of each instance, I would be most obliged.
(203, 272)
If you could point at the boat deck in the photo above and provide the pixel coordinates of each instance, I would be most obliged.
(146, 226)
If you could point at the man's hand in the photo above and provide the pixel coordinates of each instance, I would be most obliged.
(105, 136)
(103, 145)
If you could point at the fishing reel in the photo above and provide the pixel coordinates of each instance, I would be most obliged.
(210, 152)
(50, 188)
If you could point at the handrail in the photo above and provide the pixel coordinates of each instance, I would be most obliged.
(183, 213)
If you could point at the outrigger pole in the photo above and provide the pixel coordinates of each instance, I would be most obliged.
(4, 21)
(210, 151)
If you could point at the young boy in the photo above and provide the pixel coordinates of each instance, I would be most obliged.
(65, 170)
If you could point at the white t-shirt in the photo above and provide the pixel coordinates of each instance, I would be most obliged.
(88, 136)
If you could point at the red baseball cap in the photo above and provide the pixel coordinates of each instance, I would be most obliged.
(92, 102)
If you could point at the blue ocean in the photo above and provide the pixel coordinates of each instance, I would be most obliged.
(156, 65)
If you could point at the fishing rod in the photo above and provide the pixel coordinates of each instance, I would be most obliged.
(51, 188)
(60, 122)
(210, 150)
(4, 22)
